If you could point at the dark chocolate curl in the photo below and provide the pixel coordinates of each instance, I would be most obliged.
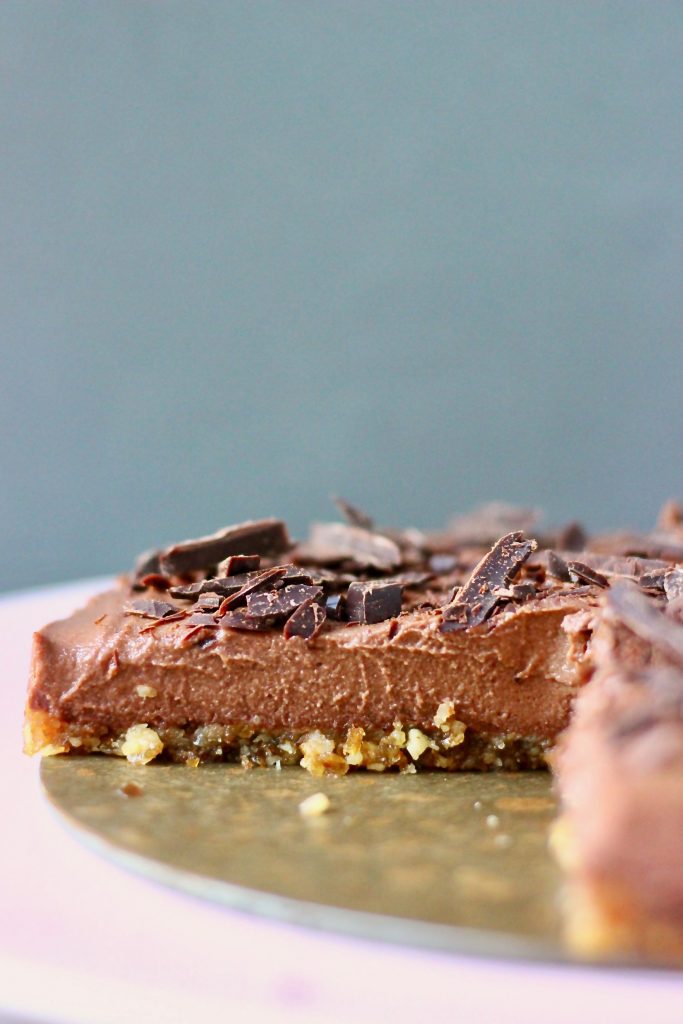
(307, 620)
(474, 602)
(261, 537)
(150, 609)
(276, 604)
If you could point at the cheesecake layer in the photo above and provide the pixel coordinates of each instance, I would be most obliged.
(102, 671)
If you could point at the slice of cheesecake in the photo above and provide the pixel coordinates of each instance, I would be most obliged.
(357, 648)
(620, 778)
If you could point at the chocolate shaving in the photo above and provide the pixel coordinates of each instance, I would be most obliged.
(176, 617)
(373, 601)
(306, 622)
(579, 572)
(262, 537)
(154, 580)
(331, 543)
(335, 606)
(353, 515)
(277, 604)
(151, 609)
(146, 563)
(234, 564)
(260, 581)
(209, 602)
(638, 612)
(202, 619)
(673, 584)
(653, 580)
(557, 567)
(475, 601)
(239, 618)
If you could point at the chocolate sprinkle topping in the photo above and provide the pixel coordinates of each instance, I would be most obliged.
(475, 601)
(579, 572)
(557, 567)
(673, 584)
(239, 618)
(150, 609)
(335, 605)
(307, 620)
(260, 581)
(277, 604)
(353, 515)
(331, 543)
(234, 564)
(262, 537)
(373, 601)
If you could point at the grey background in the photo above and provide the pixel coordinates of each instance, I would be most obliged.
(419, 254)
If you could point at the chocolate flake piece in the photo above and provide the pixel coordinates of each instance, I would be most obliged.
(373, 601)
(262, 537)
(330, 543)
(234, 564)
(307, 620)
(641, 615)
(277, 604)
(335, 606)
(154, 580)
(260, 581)
(475, 601)
(209, 602)
(146, 563)
(151, 609)
(673, 584)
(653, 580)
(240, 619)
(558, 568)
(202, 619)
(353, 515)
(580, 572)
(176, 617)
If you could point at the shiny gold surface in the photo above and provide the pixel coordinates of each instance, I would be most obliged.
(447, 861)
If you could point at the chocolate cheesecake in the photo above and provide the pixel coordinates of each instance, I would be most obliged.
(356, 648)
(487, 645)
(619, 769)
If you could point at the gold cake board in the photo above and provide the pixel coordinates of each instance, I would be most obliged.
(446, 861)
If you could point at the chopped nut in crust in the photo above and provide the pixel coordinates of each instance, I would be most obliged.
(141, 744)
(319, 756)
(418, 743)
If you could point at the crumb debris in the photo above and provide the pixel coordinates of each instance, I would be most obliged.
(130, 789)
(492, 821)
(314, 805)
